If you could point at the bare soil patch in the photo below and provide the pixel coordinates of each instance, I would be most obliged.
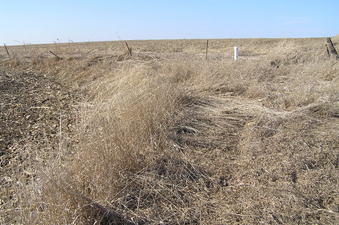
(36, 113)
(32, 107)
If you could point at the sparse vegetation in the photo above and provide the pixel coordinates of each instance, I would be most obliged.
(167, 137)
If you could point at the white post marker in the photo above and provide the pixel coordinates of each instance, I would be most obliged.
(236, 52)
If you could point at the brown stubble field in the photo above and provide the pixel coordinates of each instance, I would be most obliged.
(167, 137)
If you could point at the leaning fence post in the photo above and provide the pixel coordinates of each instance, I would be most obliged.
(57, 57)
(330, 48)
(7, 51)
(236, 52)
(129, 49)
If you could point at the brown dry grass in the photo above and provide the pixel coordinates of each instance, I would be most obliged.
(166, 137)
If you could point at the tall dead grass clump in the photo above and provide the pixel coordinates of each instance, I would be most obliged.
(128, 121)
(120, 131)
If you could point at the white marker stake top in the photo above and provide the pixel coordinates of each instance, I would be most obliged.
(236, 52)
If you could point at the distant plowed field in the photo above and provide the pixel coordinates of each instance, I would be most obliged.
(169, 133)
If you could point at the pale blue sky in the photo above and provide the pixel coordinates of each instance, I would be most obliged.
(42, 21)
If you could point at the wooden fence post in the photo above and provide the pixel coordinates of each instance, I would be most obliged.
(206, 49)
(129, 49)
(330, 48)
(7, 51)
(58, 58)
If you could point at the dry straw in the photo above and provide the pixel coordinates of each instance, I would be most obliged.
(166, 137)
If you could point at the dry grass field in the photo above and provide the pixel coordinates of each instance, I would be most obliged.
(164, 136)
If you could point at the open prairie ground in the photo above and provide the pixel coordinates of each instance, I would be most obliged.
(95, 135)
